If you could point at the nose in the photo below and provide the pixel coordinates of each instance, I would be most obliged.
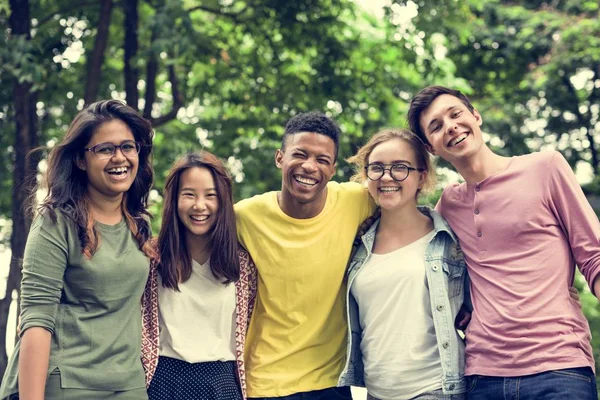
(119, 154)
(199, 204)
(309, 165)
(387, 175)
(452, 127)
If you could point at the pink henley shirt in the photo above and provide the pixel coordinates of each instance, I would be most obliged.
(522, 232)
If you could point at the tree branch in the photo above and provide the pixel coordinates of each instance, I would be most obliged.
(131, 46)
(94, 67)
(151, 72)
(70, 7)
(178, 100)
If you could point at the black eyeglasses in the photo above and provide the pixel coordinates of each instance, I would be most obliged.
(107, 150)
(398, 172)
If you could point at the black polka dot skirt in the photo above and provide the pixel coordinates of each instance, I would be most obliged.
(179, 380)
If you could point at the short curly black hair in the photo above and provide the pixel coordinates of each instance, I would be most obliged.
(313, 122)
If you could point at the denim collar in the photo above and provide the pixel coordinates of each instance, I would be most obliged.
(439, 226)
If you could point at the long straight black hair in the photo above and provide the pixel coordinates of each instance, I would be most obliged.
(175, 260)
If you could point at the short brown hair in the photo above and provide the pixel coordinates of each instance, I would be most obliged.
(423, 99)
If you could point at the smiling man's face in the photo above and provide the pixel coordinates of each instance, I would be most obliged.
(452, 130)
(307, 163)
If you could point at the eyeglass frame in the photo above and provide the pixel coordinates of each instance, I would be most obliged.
(137, 146)
(408, 171)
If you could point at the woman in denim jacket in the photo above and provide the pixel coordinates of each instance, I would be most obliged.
(405, 286)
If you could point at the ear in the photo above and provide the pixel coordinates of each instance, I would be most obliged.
(80, 162)
(333, 170)
(422, 179)
(430, 148)
(278, 158)
(478, 117)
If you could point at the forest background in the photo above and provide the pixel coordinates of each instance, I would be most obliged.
(225, 75)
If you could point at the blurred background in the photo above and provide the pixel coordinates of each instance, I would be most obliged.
(226, 75)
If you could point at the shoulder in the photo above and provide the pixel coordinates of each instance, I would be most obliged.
(539, 159)
(348, 189)
(257, 201)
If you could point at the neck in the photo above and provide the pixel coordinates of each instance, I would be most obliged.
(398, 220)
(295, 209)
(104, 209)
(481, 166)
(199, 247)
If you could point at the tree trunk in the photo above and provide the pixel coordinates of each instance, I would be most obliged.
(94, 66)
(24, 173)
(131, 46)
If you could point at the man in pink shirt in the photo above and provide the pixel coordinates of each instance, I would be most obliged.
(523, 224)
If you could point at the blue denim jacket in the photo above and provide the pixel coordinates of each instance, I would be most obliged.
(445, 271)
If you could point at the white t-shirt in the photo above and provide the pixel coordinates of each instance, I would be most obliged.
(399, 346)
(197, 324)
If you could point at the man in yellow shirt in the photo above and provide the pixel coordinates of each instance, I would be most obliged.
(300, 239)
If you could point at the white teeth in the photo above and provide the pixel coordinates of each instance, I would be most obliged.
(305, 181)
(389, 189)
(117, 170)
(457, 140)
(199, 217)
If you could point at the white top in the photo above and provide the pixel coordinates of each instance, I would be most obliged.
(197, 324)
(399, 346)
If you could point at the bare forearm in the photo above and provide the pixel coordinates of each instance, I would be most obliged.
(33, 363)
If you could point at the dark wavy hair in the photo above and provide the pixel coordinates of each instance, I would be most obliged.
(66, 184)
(175, 260)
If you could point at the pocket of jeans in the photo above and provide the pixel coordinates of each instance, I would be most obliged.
(575, 373)
(343, 392)
(471, 383)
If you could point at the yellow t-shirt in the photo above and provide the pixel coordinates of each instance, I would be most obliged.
(296, 341)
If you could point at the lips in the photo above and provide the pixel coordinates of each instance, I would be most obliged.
(389, 189)
(305, 181)
(199, 218)
(458, 139)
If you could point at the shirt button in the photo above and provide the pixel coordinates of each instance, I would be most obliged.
(446, 345)
(477, 188)
(452, 386)
(476, 211)
(440, 307)
(435, 268)
(479, 234)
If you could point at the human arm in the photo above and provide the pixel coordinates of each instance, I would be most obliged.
(44, 265)
(576, 218)
(33, 363)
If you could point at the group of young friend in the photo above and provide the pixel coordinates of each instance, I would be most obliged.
(331, 284)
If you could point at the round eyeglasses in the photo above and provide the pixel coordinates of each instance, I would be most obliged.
(107, 150)
(398, 172)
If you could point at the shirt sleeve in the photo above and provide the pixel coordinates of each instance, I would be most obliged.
(576, 217)
(44, 264)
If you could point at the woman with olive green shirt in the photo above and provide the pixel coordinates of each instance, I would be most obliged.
(86, 265)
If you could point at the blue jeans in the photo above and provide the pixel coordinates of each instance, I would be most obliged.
(333, 393)
(570, 383)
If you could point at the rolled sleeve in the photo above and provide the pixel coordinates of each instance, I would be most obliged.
(44, 264)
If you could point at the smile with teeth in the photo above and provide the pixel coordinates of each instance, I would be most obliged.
(304, 181)
(389, 189)
(457, 140)
(117, 171)
(199, 218)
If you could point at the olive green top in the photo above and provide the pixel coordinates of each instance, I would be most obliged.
(91, 307)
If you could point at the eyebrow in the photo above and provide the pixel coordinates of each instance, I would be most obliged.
(393, 162)
(435, 119)
(194, 189)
